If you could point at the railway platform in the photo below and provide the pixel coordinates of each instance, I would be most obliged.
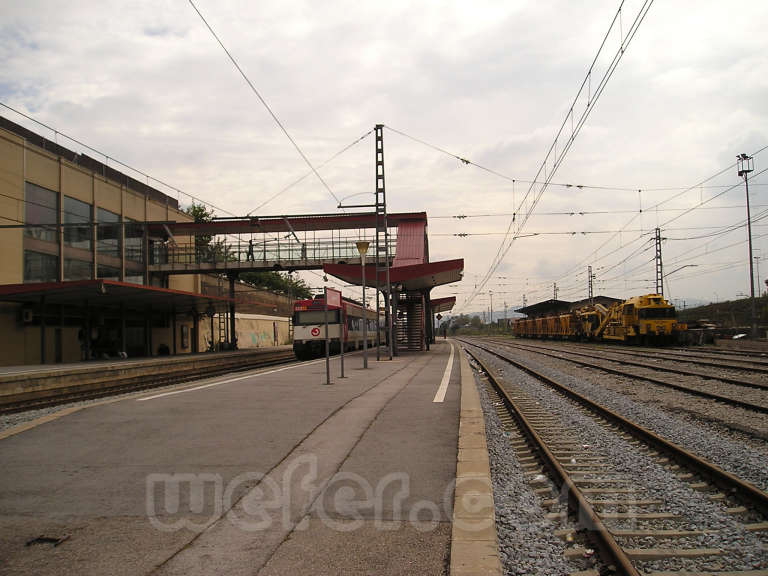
(269, 471)
(20, 385)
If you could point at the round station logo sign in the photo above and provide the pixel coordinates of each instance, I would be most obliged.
(315, 331)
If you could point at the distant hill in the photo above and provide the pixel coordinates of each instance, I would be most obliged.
(730, 314)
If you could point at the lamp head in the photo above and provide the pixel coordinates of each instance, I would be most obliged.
(362, 247)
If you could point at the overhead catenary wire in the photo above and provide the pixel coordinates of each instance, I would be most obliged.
(507, 242)
(591, 257)
(264, 102)
(598, 212)
(108, 158)
(302, 178)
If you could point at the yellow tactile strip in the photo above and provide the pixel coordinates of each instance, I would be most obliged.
(474, 543)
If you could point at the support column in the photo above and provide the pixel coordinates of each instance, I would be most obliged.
(42, 329)
(429, 318)
(393, 333)
(60, 340)
(173, 327)
(123, 340)
(195, 332)
(232, 326)
(213, 345)
(148, 331)
(87, 334)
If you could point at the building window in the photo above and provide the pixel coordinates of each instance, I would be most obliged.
(78, 223)
(134, 241)
(108, 234)
(77, 269)
(40, 207)
(133, 278)
(108, 272)
(39, 267)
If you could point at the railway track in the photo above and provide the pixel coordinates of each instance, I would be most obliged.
(750, 366)
(45, 398)
(573, 357)
(598, 474)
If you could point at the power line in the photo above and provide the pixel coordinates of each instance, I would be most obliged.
(599, 212)
(575, 129)
(264, 102)
(592, 254)
(297, 181)
(116, 161)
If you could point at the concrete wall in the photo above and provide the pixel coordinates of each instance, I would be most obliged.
(253, 330)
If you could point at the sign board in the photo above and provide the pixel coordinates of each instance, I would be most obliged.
(439, 317)
(334, 297)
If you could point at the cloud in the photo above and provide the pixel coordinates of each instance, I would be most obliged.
(489, 81)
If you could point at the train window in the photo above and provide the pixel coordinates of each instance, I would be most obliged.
(657, 313)
(305, 317)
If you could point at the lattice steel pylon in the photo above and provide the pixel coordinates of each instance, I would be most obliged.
(382, 247)
(659, 267)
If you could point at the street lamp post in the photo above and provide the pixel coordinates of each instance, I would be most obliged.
(362, 247)
(490, 293)
(746, 166)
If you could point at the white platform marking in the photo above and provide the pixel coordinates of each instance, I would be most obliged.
(225, 381)
(440, 396)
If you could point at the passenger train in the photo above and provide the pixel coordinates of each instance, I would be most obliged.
(647, 319)
(347, 321)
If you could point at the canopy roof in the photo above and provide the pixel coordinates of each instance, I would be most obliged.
(409, 278)
(550, 306)
(439, 305)
(110, 293)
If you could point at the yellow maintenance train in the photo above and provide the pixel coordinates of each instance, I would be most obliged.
(647, 319)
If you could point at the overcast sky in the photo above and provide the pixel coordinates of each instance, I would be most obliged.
(146, 83)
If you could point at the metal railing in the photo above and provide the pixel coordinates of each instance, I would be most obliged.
(220, 254)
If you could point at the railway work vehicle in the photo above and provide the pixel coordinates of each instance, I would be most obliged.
(345, 325)
(647, 319)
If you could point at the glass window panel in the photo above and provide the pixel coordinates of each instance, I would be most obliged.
(134, 241)
(134, 278)
(77, 269)
(40, 208)
(76, 212)
(39, 267)
(109, 233)
(108, 272)
(316, 317)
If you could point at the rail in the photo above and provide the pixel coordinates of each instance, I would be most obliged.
(744, 491)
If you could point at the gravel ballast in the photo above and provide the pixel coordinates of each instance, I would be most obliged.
(705, 439)
(527, 544)
(740, 550)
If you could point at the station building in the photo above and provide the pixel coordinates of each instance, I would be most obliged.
(74, 274)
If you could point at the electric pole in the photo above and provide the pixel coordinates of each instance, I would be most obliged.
(659, 266)
(746, 166)
(490, 293)
(590, 276)
(554, 290)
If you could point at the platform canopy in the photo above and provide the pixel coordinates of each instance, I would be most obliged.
(110, 293)
(405, 278)
(550, 306)
(440, 305)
